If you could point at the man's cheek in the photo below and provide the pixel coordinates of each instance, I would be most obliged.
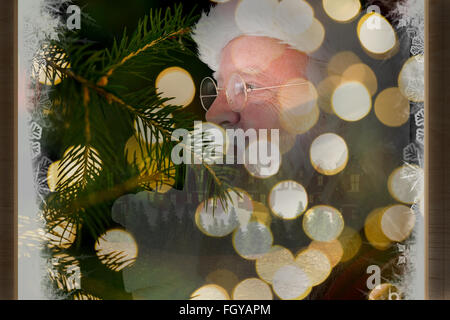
(258, 116)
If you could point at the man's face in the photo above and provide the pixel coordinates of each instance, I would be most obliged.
(261, 62)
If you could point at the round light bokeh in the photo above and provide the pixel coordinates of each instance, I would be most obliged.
(332, 249)
(362, 73)
(392, 108)
(397, 222)
(376, 34)
(288, 199)
(176, 83)
(343, 10)
(311, 40)
(113, 242)
(261, 169)
(269, 263)
(411, 79)
(61, 234)
(293, 16)
(384, 291)
(323, 223)
(373, 232)
(224, 278)
(325, 91)
(215, 219)
(149, 136)
(252, 289)
(351, 243)
(45, 73)
(210, 292)
(405, 184)
(315, 264)
(212, 140)
(341, 61)
(253, 240)
(351, 101)
(290, 282)
(329, 154)
(261, 214)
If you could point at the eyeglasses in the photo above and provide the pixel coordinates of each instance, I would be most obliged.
(236, 92)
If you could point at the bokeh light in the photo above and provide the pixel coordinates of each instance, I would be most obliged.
(224, 278)
(343, 10)
(315, 264)
(61, 233)
(260, 169)
(311, 40)
(261, 214)
(392, 108)
(269, 263)
(44, 72)
(405, 184)
(329, 154)
(253, 240)
(376, 34)
(117, 249)
(362, 73)
(351, 243)
(332, 249)
(210, 292)
(288, 199)
(373, 232)
(252, 289)
(384, 291)
(323, 223)
(176, 83)
(341, 61)
(411, 79)
(397, 222)
(290, 282)
(351, 101)
(325, 90)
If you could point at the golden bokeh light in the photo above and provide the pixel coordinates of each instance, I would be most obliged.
(362, 73)
(45, 72)
(392, 108)
(332, 249)
(210, 292)
(61, 233)
(253, 240)
(146, 133)
(290, 282)
(397, 222)
(323, 223)
(329, 154)
(411, 79)
(325, 91)
(117, 249)
(259, 169)
(384, 291)
(224, 278)
(376, 34)
(214, 141)
(351, 243)
(341, 61)
(405, 184)
(176, 83)
(60, 173)
(269, 263)
(261, 214)
(315, 264)
(298, 105)
(351, 101)
(373, 232)
(288, 199)
(252, 289)
(343, 10)
(311, 40)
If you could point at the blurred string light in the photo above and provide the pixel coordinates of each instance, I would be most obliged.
(261, 214)
(270, 262)
(215, 219)
(376, 34)
(290, 282)
(341, 61)
(332, 249)
(315, 264)
(253, 240)
(117, 249)
(298, 106)
(311, 40)
(55, 178)
(405, 184)
(384, 291)
(148, 135)
(351, 243)
(44, 72)
(362, 73)
(224, 278)
(60, 233)
(323, 223)
(351, 101)
(411, 80)
(288, 199)
(397, 222)
(392, 108)
(210, 292)
(329, 154)
(373, 231)
(342, 10)
(252, 289)
(176, 83)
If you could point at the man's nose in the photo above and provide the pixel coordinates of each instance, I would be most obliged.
(221, 114)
